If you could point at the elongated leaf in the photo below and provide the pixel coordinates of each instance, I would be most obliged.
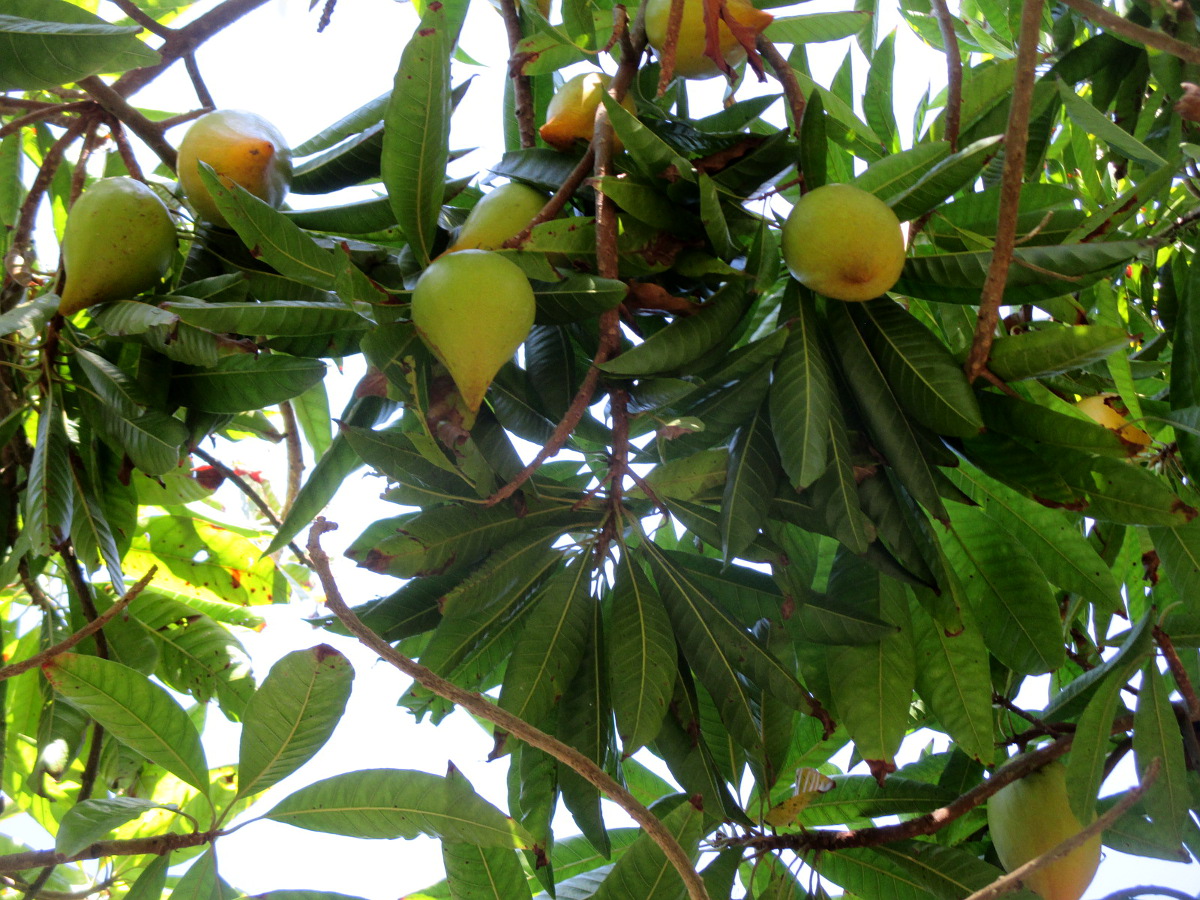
(855, 797)
(836, 491)
(135, 711)
(1120, 492)
(641, 656)
(1012, 602)
(891, 177)
(243, 382)
(1099, 124)
(576, 298)
(800, 398)
(643, 872)
(48, 43)
(394, 803)
(91, 532)
(816, 28)
(48, 501)
(484, 873)
(1156, 736)
(90, 820)
(1085, 765)
(907, 870)
(276, 317)
(946, 178)
(417, 128)
(1053, 350)
(292, 715)
(749, 486)
(686, 339)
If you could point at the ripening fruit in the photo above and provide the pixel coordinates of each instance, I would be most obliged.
(1033, 815)
(119, 240)
(243, 147)
(843, 243)
(474, 309)
(690, 61)
(571, 114)
(499, 215)
(1099, 407)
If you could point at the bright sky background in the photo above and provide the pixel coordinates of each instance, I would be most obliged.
(275, 63)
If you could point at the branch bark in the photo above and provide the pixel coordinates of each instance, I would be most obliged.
(156, 846)
(481, 706)
(1122, 27)
(522, 89)
(953, 72)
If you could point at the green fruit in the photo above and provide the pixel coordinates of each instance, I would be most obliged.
(243, 147)
(843, 243)
(571, 113)
(690, 61)
(1033, 815)
(499, 215)
(474, 309)
(119, 240)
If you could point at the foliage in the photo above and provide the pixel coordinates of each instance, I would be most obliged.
(790, 533)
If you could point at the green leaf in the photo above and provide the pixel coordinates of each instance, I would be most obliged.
(244, 382)
(1099, 124)
(483, 873)
(749, 486)
(134, 710)
(891, 177)
(551, 645)
(800, 398)
(877, 99)
(1011, 600)
(643, 872)
(651, 153)
(687, 338)
(1124, 493)
(49, 43)
(919, 368)
(395, 803)
(48, 500)
(576, 298)
(954, 679)
(292, 715)
(200, 881)
(816, 28)
(1053, 350)
(90, 820)
(1090, 750)
(907, 870)
(947, 177)
(416, 133)
(836, 491)
(641, 653)
(1156, 736)
(856, 797)
(275, 317)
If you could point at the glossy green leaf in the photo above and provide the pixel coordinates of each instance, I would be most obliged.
(244, 382)
(1099, 124)
(750, 484)
(945, 178)
(856, 797)
(643, 872)
(1034, 422)
(891, 177)
(576, 298)
(354, 161)
(1092, 745)
(48, 500)
(90, 820)
(134, 710)
(483, 873)
(816, 28)
(394, 803)
(48, 43)
(800, 398)
(275, 317)
(1156, 736)
(292, 715)
(907, 870)
(417, 128)
(650, 152)
(641, 653)
(1053, 350)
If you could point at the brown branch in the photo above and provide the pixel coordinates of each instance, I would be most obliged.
(786, 76)
(1122, 27)
(295, 454)
(1038, 725)
(81, 894)
(1187, 690)
(251, 494)
(118, 107)
(954, 75)
(83, 633)
(150, 24)
(1014, 879)
(522, 87)
(202, 93)
(1015, 138)
(666, 56)
(480, 706)
(557, 202)
(125, 150)
(158, 845)
(50, 111)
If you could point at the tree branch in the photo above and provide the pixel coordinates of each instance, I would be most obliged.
(1187, 690)
(83, 633)
(1122, 27)
(481, 706)
(953, 72)
(1015, 138)
(118, 107)
(522, 89)
(1014, 879)
(157, 846)
(786, 76)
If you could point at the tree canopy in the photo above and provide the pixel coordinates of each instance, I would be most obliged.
(704, 516)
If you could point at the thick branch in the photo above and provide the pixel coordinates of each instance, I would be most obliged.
(953, 72)
(157, 846)
(482, 707)
(82, 634)
(1122, 27)
(1015, 138)
(116, 106)
(1014, 879)
(786, 76)
(522, 89)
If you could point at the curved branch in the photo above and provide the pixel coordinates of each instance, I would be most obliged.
(83, 633)
(158, 845)
(786, 76)
(953, 72)
(522, 89)
(117, 107)
(480, 706)
(1122, 27)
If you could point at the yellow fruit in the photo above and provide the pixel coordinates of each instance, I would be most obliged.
(690, 61)
(843, 243)
(119, 240)
(474, 309)
(571, 114)
(501, 214)
(1033, 815)
(1099, 407)
(243, 147)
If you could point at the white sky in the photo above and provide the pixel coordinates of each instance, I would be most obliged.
(274, 63)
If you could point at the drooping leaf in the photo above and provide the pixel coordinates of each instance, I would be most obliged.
(90, 820)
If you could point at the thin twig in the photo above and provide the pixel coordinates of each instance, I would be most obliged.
(1187, 690)
(83, 633)
(150, 24)
(1122, 27)
(480, 706)
(125, 150)
(119, 108)
(953, 72)
(158, 845)
(1015, 138)
(202, 92)
(251, 494)
(522, 86)
(556, 203)
(1014, 879)
(1038, 725)
(39, 882)
(81, 894)
(786, 76)
(41, 114)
